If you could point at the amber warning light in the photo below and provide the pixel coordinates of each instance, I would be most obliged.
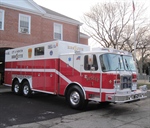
(29, 52)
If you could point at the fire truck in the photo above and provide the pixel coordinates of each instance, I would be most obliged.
(75, 71)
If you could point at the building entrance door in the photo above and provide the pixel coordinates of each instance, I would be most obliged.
(2, 64)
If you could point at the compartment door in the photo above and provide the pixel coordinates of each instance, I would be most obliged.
(66, 72)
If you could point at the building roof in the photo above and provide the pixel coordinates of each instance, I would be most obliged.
(53, 14)
(83, 35)
(32, 7)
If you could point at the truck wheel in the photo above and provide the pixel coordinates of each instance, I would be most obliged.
(75, 98)
(16, 88)
(26, 89)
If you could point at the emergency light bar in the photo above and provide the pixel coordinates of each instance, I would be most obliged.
(111, 50)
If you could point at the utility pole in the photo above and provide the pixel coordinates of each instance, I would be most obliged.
(134, 30)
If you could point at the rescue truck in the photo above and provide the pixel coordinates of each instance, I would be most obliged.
(74, 71)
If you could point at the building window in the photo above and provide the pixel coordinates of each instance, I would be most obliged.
(24, 23)
(58, 33)
(1, 19)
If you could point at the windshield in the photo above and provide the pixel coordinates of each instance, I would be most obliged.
(129, 63)
(113, 62)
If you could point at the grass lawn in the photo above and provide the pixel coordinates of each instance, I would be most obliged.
(148, 85)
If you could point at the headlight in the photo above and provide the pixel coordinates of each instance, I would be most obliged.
(117, 86)
(134, 86)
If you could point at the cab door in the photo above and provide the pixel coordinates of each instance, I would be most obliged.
(91, 76)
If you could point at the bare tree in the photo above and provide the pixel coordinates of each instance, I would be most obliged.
(142, 39)
(110, 24)
(143, 48)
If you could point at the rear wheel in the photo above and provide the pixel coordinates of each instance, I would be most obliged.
(26, 89)
(16, 88)
(75, 98)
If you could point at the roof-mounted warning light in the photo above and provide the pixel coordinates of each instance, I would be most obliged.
(111, 50)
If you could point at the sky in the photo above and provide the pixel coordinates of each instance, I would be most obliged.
(76, 8)
(72, 8)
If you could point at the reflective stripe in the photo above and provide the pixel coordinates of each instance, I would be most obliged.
(41, 70)
(98, 90)
(92, 89)
(108, 90)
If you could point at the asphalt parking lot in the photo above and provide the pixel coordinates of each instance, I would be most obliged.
(45, 111)
(16, 109)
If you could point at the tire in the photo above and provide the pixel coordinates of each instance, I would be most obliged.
(16, 87)
(75, 98)
(26, 89)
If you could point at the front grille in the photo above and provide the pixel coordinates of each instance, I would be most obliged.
(126, 82)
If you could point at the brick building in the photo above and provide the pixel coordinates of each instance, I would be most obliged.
(24, 23)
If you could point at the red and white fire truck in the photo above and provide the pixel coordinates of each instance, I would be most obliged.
(74, 71)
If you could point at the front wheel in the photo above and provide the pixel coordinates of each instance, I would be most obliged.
(26, 89)
(75, 98)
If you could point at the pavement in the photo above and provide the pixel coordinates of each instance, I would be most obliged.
(122, 116)
(4, 88)
(134, 115)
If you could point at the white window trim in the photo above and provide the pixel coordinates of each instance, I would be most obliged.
(29, 23)
(61, 31)
(3, 14)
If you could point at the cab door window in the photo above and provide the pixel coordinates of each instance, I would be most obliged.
(90, 62)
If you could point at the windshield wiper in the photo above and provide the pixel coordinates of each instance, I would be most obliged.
(119, 63)
(128, 66)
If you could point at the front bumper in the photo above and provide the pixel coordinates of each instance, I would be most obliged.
(126, 95)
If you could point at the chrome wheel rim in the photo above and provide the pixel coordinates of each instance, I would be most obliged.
(74, 98)
(16, 88)
(26, 90)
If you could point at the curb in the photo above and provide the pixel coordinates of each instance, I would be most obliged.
(4, 89)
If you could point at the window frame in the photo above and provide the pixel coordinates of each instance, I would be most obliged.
(87, 66)
(3, 16)
(29, 21)
(61, 31)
